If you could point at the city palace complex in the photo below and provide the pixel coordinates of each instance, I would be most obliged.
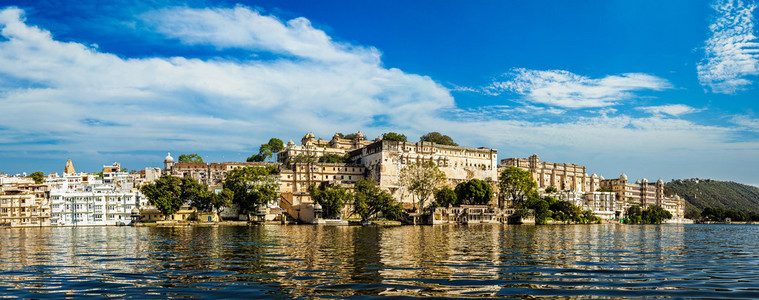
(114, 197)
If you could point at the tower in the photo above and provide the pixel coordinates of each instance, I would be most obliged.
(69, 169)
(168, 163)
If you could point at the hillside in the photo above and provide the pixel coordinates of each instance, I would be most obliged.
(702, 193)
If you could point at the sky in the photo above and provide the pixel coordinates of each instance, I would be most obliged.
(652, 89)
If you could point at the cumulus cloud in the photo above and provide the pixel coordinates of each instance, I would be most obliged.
(674, 110)
(83, 98)
(241, 27)
(731, 50)
(568, 90)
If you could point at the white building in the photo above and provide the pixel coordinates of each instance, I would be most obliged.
(82, 199)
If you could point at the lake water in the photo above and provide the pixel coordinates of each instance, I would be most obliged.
(272, 261)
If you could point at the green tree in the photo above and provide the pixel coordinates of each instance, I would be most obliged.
(551, 190)
(38, 177)
(189, 158)
(437, 138)
(655, 214)
(540, 209)
(422, 178)
(196, 194)
(392, 136)
(165, 194)
(474, 191)
(222, 200)
(369, 199)
(445, 196)
(332, 198)
(267, 150)
(515, 184)
(253, 187)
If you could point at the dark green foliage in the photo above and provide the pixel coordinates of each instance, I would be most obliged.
(253, 187)
(196, 194)
(369, 199)
(551, 190)
(267, 150)
(653, 214)
(438, 138)
(559, 210)
(221, 200)
(189, 158)
(333, 158)
(515, 184)
(718, 214)
(38, 177)
(332, 198)
(517, 216)
(351, 136)
(710, 193)
(165, 194)
(392, 136)
(474, 191)
(445, 196)
(540, 209)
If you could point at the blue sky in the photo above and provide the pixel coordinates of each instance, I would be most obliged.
(650, 88)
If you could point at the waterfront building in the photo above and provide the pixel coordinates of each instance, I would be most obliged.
(384, 161)
(466, 214)
(643, 193)
(84, 199)
(24, 206)
(562, 176)
(295, 180)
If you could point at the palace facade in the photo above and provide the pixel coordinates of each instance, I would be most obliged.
(562, 176)
(384, 161)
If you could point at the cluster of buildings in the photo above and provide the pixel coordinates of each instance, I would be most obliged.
(114, 198)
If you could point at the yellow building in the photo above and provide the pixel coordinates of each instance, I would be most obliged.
(643, 193)
(24, 207)
(562, 176)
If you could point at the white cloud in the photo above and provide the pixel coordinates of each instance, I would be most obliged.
(731, 50)
(241, 27)
(77, 97)
(671, 109)
(746, 121)
(568, 90)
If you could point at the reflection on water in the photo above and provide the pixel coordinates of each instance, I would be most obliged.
(601, 261)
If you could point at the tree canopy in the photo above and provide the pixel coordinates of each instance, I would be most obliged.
(267, 150)
(252, 187)
(422, 178)
(438, 138)
(515, 184)
(474, 191)
(653, 214)
(189, 158)
(392, 136)
(369, 199)
(165, 194)
(332, 199)
(445, 196)
(38, 177)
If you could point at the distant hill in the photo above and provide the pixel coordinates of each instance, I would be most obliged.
(702, 193)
